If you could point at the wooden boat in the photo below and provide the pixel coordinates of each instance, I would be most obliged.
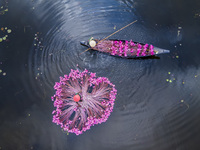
(123, 48)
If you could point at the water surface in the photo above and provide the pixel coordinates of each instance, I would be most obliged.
(157, 106)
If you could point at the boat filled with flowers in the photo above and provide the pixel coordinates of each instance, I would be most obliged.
(123, 48)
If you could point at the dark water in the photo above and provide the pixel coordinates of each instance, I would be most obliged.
(158, 101)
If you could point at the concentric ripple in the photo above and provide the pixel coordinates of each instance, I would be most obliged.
(66, 24)
(148, 110)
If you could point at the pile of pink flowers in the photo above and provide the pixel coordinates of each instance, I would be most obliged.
(82, 100)
(125, 48)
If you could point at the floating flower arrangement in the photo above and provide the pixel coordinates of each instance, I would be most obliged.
(82, 100)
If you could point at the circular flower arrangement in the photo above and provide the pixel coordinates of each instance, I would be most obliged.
(82, 100)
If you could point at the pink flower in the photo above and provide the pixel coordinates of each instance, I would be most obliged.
(126, 43)
(125, 50)
(97, 96)
(139, 46)
(144, 50)
(132, 43)
(125, 54)
(132, 50)
(116, 42)
(143, 54)
(120, 50)
(113, 50)
(120, 43)
(138, 51)
(151, 49)
(145, 46)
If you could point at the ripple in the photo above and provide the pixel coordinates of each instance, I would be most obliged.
(67, 25)
(145, 101)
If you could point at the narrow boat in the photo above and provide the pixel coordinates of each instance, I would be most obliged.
(123, 48)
